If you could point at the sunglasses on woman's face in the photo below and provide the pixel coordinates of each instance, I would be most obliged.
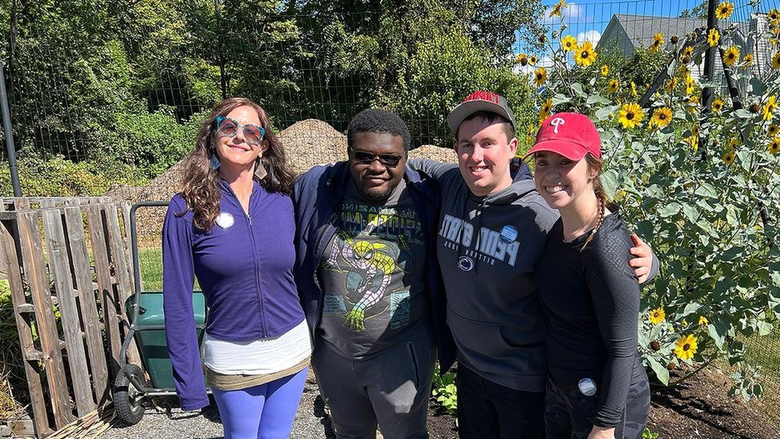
(253, 134)
(366, 158)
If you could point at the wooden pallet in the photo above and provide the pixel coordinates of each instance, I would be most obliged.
(69, 307)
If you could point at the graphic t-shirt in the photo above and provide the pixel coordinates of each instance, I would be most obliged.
(373, 274)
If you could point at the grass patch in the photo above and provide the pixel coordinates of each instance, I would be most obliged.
(150, 260)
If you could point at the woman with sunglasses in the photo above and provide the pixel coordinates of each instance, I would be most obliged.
(232, 227)
(597, 386)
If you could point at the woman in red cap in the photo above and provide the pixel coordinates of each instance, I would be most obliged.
(597, 386)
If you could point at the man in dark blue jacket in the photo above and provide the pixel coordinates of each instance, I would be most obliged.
(369, 284)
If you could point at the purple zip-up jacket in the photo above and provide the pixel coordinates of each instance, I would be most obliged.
(245, 271)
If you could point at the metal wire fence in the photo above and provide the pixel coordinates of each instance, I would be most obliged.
(93, 94)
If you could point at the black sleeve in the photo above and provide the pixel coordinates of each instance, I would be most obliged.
(615, 293)
(434, 169)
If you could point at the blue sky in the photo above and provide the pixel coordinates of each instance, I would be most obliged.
(587, 19)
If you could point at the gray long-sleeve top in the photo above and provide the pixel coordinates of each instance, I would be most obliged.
(591, 306)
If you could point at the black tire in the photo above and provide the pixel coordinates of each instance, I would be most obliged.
(127, 399)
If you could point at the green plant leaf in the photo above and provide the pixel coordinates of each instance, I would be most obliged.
(757, 88)
(660, 370)
(670, 209)
(611, 181)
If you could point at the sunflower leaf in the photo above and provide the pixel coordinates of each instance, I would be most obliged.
(660, 370)
(757, 88)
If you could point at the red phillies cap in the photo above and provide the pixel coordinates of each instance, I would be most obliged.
(571, 135)
(480, 101)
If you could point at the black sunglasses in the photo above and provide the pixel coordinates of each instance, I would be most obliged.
(366, 158)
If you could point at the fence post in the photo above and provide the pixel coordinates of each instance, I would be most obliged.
(222, 78)
(709, 58)
(9, 138)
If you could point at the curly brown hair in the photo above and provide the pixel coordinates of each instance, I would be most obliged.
(201, 181)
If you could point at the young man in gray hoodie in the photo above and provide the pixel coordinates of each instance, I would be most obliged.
(492, 228)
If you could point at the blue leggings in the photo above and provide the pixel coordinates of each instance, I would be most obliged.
(261, 412)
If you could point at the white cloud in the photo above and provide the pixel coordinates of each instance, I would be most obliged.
(591, 35)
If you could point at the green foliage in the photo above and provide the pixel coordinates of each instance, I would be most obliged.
(419, 60)
(694, 188)
(445, 392)
(59, 177)
(648, 434)
(152, 142)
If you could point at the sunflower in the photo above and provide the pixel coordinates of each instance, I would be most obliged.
(540, 76)
(728, 157)
(733, 143)
(671, 84)
(774, 16)
(747, 60)
(532, 60)
(633, 88)
(686, 347)
(772, 130)
(661, 117)
(717, 105)
(769, 107)
(630, 115)
(585, 55)
(613, 85)
(776, 61)
(703, 321)
(724, 10)
(569, 43)
(731, 56)
(713, 37)
(657, 316)
(604, 70)
(545, 110)
(658, 41)
(774, 145)
(558, 8)
(693, 103)
(693, 140)
(689, 85)
(687, 51)
(522, 59)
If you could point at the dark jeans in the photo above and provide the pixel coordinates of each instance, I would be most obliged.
(488, 410)
(568, 411)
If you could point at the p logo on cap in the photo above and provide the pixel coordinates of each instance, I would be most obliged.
(556, 123)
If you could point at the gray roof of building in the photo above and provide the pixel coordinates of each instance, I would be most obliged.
(641, 28)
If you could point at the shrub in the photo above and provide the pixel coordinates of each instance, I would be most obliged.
(59, 177)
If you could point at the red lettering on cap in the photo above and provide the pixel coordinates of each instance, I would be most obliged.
(483, 96)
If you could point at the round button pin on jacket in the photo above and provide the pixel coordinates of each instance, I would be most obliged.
(225, 220)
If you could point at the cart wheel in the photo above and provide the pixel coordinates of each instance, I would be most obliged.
(127, 399)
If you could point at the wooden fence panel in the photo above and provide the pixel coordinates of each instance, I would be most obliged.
(62, 279)
(119, 260)
(23, 314)
(35, 271)
(125, 206)
(108, 301)
(88, 306)
(59, 264)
